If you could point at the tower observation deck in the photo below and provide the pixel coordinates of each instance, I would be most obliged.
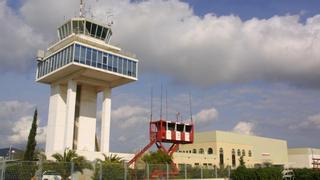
(79, 65)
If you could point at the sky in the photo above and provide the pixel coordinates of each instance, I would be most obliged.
(251, 66)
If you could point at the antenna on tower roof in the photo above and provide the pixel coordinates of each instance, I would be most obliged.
(190, 101)
(166, 103)
(161, 103)
(151, 103)
(81, 12)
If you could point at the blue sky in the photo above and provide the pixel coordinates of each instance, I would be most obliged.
(251, 66)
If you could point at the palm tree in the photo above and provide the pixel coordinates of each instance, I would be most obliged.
(64, 163)
(110, 168)
(113, 158)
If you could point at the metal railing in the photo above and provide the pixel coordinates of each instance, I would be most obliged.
(101, 170)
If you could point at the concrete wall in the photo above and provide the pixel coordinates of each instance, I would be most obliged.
(56, 118)
(262, 149)
(302, 157)
(87, 119)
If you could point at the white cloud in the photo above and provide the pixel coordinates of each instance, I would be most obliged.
(206, 115)
(21, 129)
(311, 122)
(18, 41)
(16, 119)
(243, 127)
(169, 38)
(129, 116)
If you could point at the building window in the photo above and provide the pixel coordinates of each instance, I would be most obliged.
(194, 151)
(201, 151)
(221, 158)
(239, 152)
(249, 153)
(233, 158)
(210, 151)
(243, 152)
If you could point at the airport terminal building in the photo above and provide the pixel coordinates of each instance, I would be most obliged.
(215, 148)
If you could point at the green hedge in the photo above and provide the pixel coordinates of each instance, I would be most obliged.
(242, 173)
(306, 174)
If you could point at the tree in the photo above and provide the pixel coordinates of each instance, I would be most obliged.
(112, 159)
(31, 145)
(241, 162)
(64, 162)
(111, 167)
(158, 157)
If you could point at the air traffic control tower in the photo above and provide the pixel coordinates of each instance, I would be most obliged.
(77, 67)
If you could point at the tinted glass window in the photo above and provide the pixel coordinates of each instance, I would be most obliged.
(89, 53)
(88, 27)
(99, 32)
(120, 65)
(134, 69)
(77, 53)
(104, 33)
(82, 54)
(110, 59)
(114, 64)
(93, 30)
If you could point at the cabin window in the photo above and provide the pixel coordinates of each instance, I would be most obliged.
(88, 27)
(99, 32)
(188, 128)
(171, 126)
(93, 30)
(180, 127)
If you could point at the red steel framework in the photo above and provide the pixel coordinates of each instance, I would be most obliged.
(162, 131)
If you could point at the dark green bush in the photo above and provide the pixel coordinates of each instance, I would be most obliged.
(242, 173)
(306, 174)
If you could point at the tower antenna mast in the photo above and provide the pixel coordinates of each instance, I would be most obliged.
(151, 103)
(190, 101)
(81, 8)
(161, 103)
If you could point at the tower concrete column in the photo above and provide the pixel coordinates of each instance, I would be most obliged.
(70, 113)
(105, 120)
(56, 118)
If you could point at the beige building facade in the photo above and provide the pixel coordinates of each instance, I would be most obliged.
(303, 157)
(216, 148)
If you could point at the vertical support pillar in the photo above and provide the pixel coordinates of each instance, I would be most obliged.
(105, 120)
(70, 114)
(56, 119)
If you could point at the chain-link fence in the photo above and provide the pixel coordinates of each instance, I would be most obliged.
(102, 170)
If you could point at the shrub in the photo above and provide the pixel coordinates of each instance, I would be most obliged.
(242, 173)
(307, 174)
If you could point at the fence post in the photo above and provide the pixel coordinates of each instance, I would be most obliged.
(40, 168)
(125, 170)
(185, 171)
(3, 170)
(100, 171)
(148, 171)
(201, 172)
(72, 169)
(167, 171)
(216, 171)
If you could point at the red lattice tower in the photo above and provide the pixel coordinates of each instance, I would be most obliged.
(174, 133)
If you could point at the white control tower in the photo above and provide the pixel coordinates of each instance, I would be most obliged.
(80, 65)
